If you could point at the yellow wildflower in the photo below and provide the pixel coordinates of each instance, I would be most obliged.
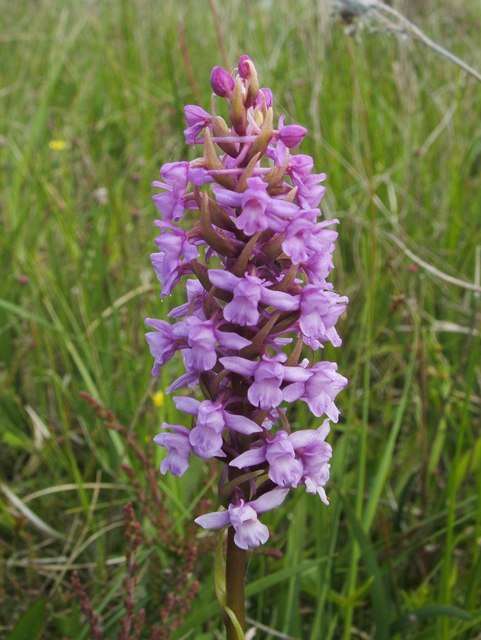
(158, 399)
(58, 145)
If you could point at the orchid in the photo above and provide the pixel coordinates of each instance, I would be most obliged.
(242, 231)
(242, 516)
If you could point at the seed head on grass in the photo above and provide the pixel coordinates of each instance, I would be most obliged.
(242, 231)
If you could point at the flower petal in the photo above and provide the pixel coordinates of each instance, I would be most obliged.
(223, 279)
(188, 405)
(265, 394)
(324, 429)
(293, 391)
(182, 381)
(226, 197)
(213, 520)
(251, 534)
(242, 366)
(296, 374)
(231, 340)
(279, 299)
(269, 500)
(303, 437)
(241, 423)
(249, 458)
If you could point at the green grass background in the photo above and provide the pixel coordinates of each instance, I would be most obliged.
(397, 129)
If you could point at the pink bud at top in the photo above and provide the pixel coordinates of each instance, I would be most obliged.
(222, 82)
(244, 66)
(292, 135)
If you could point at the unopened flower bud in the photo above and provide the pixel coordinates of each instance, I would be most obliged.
(244, 66)
(222, 82)
(247, 72)
(292, 135)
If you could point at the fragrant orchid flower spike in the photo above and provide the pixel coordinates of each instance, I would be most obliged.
(241, 229)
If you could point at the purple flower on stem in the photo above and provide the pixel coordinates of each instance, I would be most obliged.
(268, 374)
(161, 343)
(198, 339)
(197, 119)
(314, 454)
(210, 413)
(259, 211)
(206, 443)
(206, 435)
(254, 257)
(319, 390)
(248, 293)
(310, 191)
(171, 202)
(310, 244)
(302, 456)
(195, 299)
(202, 338)
(300, 168)
(320, 310)
(284, 469)
(176, 441)
(243, 516)
(175, 252)
(297, 244)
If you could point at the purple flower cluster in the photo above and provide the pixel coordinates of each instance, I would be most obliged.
(242, 230)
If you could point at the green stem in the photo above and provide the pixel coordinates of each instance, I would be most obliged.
(235, 582)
